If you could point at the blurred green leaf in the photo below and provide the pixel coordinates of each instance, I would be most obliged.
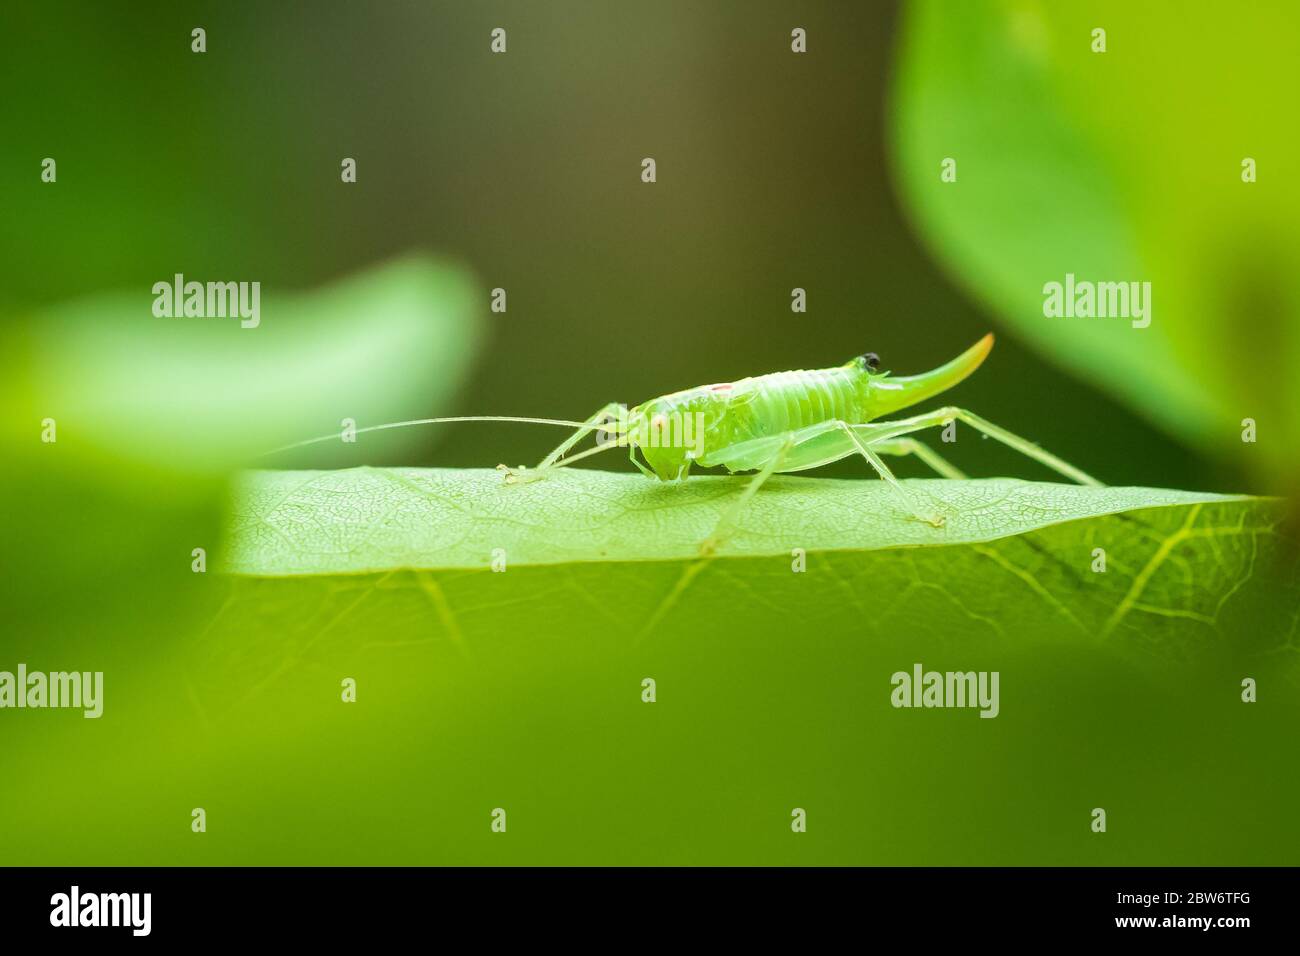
(1121, 166)
(152, 414)
(203, 393)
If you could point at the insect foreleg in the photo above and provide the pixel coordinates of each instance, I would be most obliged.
(942, 416)
(594, 423)
(727, 523)
(631, 454)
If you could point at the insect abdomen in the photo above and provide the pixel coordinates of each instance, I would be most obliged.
(787, 401)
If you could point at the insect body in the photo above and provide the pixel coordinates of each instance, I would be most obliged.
(743, 422)
(783, 422)
(793, 421)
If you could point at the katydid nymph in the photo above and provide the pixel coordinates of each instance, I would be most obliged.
(783, 422)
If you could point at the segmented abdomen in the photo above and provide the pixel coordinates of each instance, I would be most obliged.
(788, 401)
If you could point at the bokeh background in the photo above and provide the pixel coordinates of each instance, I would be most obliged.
(522, 171)
(774, 172)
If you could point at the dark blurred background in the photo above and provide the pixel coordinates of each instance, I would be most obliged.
(525, 167)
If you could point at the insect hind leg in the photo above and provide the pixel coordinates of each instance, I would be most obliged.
(942, 416)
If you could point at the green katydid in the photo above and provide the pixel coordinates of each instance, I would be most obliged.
(779, 423)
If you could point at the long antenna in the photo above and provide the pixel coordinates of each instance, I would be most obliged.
(333, 436)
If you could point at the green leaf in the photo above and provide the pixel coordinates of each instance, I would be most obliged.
(380, 519)
(617, 554)
(1117, 167)
(392, 342)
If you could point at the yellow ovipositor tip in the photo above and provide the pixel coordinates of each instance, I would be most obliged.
(904, 391)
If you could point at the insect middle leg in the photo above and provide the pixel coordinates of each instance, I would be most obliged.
(727, 522)
(800, 450)
(594, 423)
(923, 452)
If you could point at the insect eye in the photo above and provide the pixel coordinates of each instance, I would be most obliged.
(871, 360)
